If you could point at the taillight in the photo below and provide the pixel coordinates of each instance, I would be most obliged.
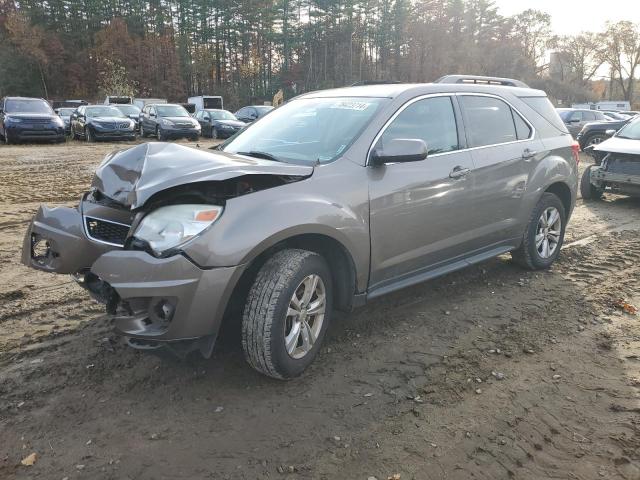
(575, 150)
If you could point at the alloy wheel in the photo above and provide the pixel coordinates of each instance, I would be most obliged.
(305, 316)
(548, 232)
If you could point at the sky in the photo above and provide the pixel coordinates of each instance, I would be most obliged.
(569, 17)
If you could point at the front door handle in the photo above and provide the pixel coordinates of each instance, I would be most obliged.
(459, 172)
(528, 154)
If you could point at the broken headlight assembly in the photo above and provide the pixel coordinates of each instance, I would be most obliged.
(172, 226)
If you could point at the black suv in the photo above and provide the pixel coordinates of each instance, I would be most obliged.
(167, 121)
(595, 132)
(23, 118)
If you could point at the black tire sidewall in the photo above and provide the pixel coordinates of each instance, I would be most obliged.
(286, 365)
(547, 200)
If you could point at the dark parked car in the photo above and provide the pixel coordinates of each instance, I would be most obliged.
(575, 119)
(101, 122)
(65, 114)
(371, 189)
(131, 111)
(619, 168)
(595, 132)
(252, 113)
(23, 118)
(218, 123)
(167, 121)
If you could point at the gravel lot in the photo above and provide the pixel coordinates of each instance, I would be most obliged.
(488, 373)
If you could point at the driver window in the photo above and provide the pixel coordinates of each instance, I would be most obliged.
(431, 120)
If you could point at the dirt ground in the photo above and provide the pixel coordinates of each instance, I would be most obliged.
(489, 373)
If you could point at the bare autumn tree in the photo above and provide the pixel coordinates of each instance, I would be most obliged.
(532, 29)
(622, 53)
(580, 56)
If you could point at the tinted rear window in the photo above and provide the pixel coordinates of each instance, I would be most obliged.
(543, 106)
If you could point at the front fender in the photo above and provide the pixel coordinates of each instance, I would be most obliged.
(253, 223)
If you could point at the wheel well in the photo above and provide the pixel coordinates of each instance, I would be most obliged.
(562, 191)
(340, 263)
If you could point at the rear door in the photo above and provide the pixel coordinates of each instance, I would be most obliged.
(504, 151)
(420, 211)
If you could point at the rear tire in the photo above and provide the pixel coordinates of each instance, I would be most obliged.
(587, 189)
(532, 253)
(281, 335)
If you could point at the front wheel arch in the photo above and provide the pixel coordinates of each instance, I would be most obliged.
(340, 262)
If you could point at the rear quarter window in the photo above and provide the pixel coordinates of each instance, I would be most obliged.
(545, 109)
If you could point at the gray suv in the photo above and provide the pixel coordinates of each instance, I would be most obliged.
(333, 199)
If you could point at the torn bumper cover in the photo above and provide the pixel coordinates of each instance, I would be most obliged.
(152, 299)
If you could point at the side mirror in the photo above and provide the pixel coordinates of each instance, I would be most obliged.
(399, 150)
(152, 115)
(610, 133)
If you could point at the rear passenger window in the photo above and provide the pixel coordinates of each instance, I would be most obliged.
(431, 120)
(490, 121)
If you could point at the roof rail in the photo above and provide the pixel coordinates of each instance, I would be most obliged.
(480, 80)
(362, 83)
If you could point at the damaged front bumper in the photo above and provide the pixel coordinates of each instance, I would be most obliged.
(152, 300)
(616, 181)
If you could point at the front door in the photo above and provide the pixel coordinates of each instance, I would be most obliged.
(420, 211)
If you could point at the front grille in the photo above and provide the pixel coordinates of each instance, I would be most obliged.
(105, 231)
(185, 125)
(123, 126)
(36, 120)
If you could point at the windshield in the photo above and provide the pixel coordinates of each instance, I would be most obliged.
(307, 130)
(171, 111)
(630, 130)
(27, 106)
(221, 115)
(66, 112)
(103, 112)
(128, 109)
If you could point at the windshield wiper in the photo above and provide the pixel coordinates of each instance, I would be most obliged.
(259, 154)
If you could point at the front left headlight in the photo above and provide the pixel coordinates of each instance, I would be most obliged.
(12, 120)
(166, 123)
(58, 122)
(169, 227)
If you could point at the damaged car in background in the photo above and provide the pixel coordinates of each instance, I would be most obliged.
(617, 168)
(331, 200)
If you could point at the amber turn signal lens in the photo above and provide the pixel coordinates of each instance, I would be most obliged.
(207, 215)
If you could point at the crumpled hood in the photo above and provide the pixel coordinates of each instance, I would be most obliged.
(132, 176)
(619, 145)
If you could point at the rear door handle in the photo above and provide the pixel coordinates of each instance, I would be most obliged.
(528, 154)
(459, 172)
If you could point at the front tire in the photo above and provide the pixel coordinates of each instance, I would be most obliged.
(587, 189)
(214, 133)
(544, 234)
(88, 135)
(159, 135)
(287, 313)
